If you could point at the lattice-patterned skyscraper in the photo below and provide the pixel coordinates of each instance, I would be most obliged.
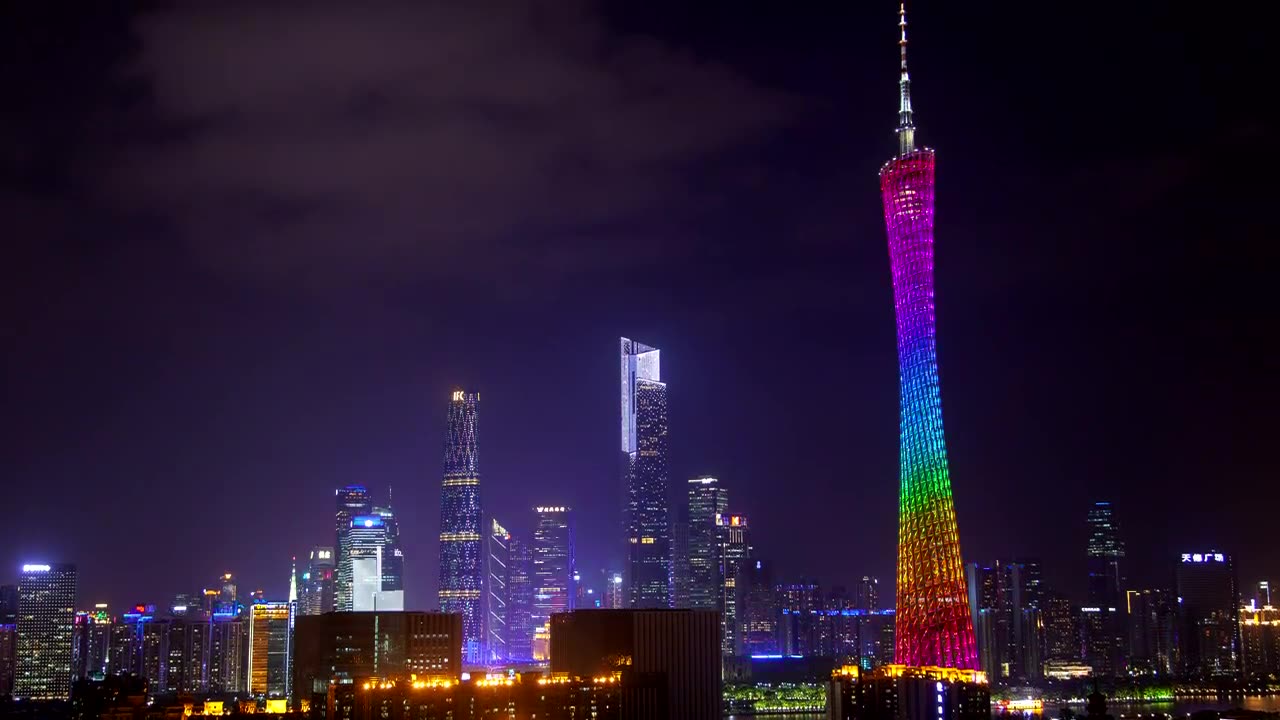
(461, 558)
(933, 625)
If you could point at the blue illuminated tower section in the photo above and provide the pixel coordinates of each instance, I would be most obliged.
(644, 472)
(461, 549)
(352, 500)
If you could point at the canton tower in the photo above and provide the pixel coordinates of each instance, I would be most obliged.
(461, 574)
(933, 626)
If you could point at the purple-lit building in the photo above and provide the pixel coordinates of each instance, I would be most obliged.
(462, 561)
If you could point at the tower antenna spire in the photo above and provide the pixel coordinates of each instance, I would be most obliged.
(906, 126)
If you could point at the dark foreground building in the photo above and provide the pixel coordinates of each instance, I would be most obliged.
(342, 647)
(900, 692)
(677, 648)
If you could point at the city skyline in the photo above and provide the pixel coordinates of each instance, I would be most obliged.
(170, 354)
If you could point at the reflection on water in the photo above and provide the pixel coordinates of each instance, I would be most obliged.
(1267, 703)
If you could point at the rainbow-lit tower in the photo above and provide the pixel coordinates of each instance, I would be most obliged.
(933, 626)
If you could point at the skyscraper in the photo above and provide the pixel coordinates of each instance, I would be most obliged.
(761, 609)
(270, 638)
(368, 546)
(46, 613)
(733, 551)
(1152, 628)
(708, 501)
(316, 593)
(1208, 615)
(520, 602)
(552, 569)
(392, 551)
(933, 625)
(352, 500)
(499, 564)
(461, 555)
(1105, 551)
(1106, 636)
(644, 472)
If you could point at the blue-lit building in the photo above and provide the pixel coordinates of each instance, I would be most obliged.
(498, 568)
(520, 601)
(352, 500)
(46, 614)
(392, 551)
(368, 548)
(644, 472)
(462, 566)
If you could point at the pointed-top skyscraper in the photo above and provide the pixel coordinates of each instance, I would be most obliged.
(461, 558)
(933, 626)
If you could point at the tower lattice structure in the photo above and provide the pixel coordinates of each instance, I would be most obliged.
(933, 625)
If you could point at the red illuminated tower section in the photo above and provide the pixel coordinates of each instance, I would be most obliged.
(933, 625)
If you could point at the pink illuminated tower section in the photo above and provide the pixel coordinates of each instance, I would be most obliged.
(933, 625)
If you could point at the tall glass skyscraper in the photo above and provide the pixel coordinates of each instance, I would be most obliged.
(392, 551)
(733, 552)
(316, 592)
(644, 471)
(46, 614)
(461, 553)
(933, 625)
(552, 571)
(498, 560)
(352, 500)
(1105, 634)
(708, 501)
(520, 602)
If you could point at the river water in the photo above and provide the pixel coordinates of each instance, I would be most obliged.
(1268, 703)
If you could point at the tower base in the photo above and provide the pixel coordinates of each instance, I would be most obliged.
(905, 692)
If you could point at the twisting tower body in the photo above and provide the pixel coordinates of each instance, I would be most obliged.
(461, 566)
(933, 625)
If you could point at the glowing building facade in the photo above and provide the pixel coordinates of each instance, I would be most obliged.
(352, 500)
(316, 591)
(461, 550)
(552, 572)
(46, 614)
(933, 625)
(708, 500)
(270, 649)
(644, 471)
(498, 562)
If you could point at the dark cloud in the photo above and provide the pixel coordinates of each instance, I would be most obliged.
(355, 141)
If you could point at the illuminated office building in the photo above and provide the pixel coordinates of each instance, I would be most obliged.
(228, 648)
(761, 609)
(553, 569)
(1105, 591)
(352, 500)
(46, 614)
(461, 551)
(91, 643)
(8, 649)
(868, 594)
(270, 638)
(644, 472)
(368, 547)
(1208, 615)
(708, 501)
(1262, 598)
(392, 551)
(933, 624)
(1061, 629)
(1260, 640)
(614, 591)
(315, 594)
(498, 562)
(228, 594)
(520, 596)
(1152, 630)
(733, 552)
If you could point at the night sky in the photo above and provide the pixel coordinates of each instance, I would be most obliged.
(249, 251)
